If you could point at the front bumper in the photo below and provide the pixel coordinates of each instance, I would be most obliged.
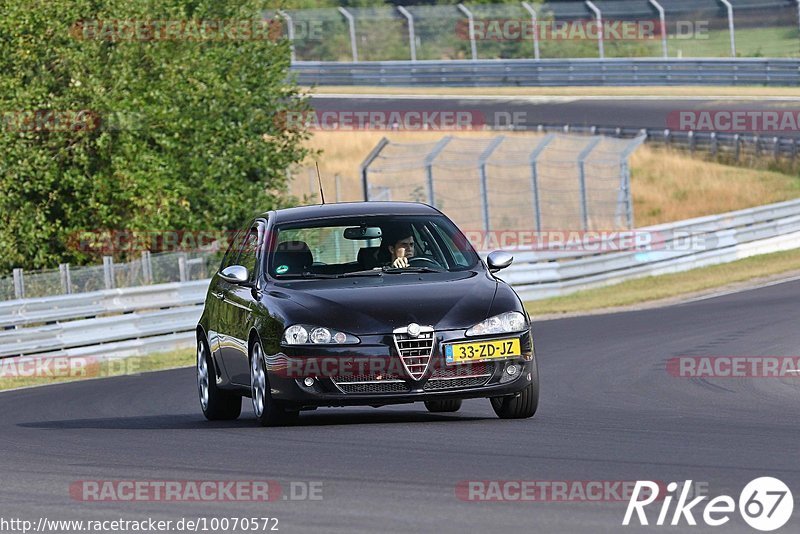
(372, 373)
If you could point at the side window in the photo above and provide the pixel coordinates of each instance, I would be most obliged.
(233, 251)
(251, 247)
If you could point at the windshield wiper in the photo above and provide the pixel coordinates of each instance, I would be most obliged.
(370, 272)
(305, 275)
(401, 270)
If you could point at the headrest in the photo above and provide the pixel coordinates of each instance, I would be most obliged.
(292, 257)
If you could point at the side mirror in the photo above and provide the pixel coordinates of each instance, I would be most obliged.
(235, 274)
(499, 260)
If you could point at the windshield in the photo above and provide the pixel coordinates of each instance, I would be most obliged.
(369, 246)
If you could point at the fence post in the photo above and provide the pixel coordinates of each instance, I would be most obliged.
(351, 22)
(757, 142)
(147, 267)
(183, 275)
(737, 145)
(289, 32)
(19, 284)
(108, 271)
(534, 160)
(364, 167)
(731, 26)
(599, 15)
(624, 197)
(663, 20)
(794, 143)
(535, 24)
(473, 46)
(582, 179)
(484, 179)
(690, 136)
(714, 144)
(667, 137)
(776, 148)
(66, 280)
(412, 40)
(429, 159)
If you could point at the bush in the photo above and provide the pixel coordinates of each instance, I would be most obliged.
(106, 132)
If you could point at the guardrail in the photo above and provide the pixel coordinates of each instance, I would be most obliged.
(551, 72)
(132, 321)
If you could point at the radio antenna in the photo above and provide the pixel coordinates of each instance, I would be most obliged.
(319, 179)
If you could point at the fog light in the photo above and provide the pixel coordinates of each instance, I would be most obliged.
(512, 369)
(308, 381)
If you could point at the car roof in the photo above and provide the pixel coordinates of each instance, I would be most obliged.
(351, 209)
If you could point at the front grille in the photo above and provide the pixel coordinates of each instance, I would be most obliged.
(453, 383)
(371, 377)
(415, 352)
(384, 386)
(464, 370)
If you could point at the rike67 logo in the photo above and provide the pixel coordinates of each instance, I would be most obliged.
(765, 504)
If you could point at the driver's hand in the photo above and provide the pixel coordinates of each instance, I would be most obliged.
(401, 260)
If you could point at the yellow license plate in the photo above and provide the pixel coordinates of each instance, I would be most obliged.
(481, 351)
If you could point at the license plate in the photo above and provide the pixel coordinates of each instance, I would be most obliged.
(481, 351)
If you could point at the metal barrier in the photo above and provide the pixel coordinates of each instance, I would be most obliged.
(552, 72)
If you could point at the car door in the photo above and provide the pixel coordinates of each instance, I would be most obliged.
(216, 309)
(239, 301)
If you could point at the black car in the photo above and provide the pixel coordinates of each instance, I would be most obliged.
(364, 303)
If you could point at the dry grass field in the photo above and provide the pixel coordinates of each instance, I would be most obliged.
(667, 186)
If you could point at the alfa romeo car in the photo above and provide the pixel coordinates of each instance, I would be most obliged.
(363, 303)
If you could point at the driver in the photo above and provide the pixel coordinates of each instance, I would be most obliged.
(399, 242)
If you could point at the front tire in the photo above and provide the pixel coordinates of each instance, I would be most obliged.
(269, 412)
(217, 404)
(522, 405)
(443, 406)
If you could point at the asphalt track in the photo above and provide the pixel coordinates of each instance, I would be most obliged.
(609, 411)
(625, 112)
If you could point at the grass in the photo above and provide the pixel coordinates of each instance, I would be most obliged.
(668, 286)
(12, 376)
(655, 91)
(667, 185)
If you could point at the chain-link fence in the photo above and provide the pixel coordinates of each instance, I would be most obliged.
(150, 268)
(602, 28)
(535, 183)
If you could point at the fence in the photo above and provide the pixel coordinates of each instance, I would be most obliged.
(150, 268)
(514, 30)
(527, 183)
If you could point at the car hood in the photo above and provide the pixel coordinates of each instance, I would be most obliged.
(378, 305)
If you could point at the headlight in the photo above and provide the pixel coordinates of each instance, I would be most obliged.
(499, 324)
(303, 334)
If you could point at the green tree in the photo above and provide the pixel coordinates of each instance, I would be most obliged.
(181, 132)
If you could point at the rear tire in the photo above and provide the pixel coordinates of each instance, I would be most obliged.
(443, 406)
(217, 404)
(269, 412)
(522, 405)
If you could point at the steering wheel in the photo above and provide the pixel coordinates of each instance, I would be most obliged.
(422, 261)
